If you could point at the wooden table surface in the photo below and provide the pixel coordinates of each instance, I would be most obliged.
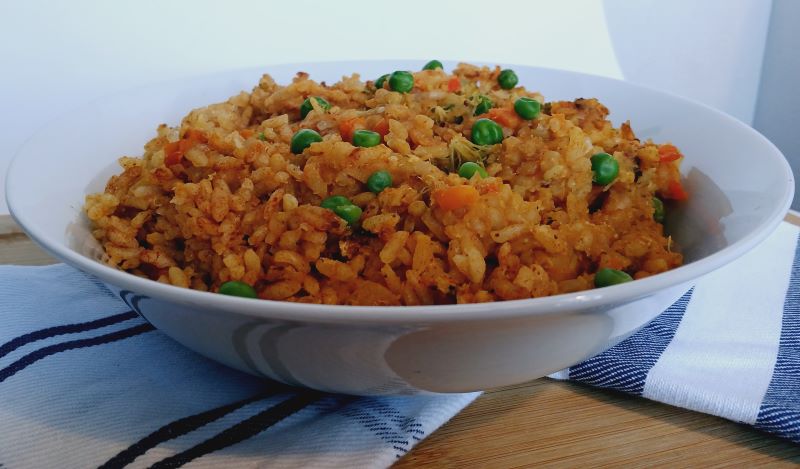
(553, 423)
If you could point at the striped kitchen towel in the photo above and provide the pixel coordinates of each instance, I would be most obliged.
(86, 382)
(729, 347)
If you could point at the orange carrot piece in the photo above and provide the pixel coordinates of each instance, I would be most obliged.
(453, 85)
(347, 127)
(195, 136)
(172, 153)
(668, 153)
(382, 127)
(676, 191)
(505, 117)
(456, 197)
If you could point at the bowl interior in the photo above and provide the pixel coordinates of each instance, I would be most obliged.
(740, 185)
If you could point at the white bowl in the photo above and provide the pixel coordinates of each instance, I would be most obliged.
(740, 186)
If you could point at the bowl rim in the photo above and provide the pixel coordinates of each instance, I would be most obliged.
(403, 315)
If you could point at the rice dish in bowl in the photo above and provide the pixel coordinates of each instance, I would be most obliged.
(417, 188)
(388, 349)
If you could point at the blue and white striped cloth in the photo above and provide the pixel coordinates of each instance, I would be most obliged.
(729, 347)
(86, 382)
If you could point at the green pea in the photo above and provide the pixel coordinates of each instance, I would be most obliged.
(378, 181)
(527, 108)
(658, 210)
(484, 104)
(306, 107)
(486, 132)
(262, 137)
(433, 65)
(350, 213)
(335, 201)
(366, 138)
(607, 277)
(379, 81)
(605, 168)
(237, 288)
(468, 169)
(401, 81)
(507, 79)
(303, 139)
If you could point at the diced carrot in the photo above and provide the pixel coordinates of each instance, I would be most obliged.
(456, 197)
(172, 153)
(454, 85)
(614, 262)
(183, 146)
(247, 133)
(675, 191)
(347, 127)
(505, 117)
(668, 153)
(382, 127)
(195, 136)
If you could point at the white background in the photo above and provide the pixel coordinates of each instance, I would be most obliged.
(56, 55)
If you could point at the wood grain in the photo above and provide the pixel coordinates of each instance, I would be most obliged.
(547, 423)
(16, 248)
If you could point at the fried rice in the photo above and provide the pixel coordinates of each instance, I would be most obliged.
(222, 197)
